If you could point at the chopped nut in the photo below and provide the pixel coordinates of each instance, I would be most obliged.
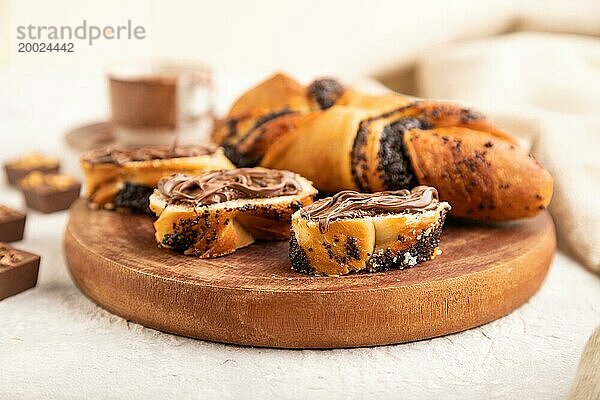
(9, 256)
(55, 181)
(33, 160)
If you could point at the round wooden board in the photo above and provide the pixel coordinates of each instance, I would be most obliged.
(252, 297)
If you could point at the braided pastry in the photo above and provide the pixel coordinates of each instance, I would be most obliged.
(341, 139)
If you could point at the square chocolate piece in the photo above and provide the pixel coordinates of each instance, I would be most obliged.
(12, 224)
(18, 270)
(49, 193)
(19, 168)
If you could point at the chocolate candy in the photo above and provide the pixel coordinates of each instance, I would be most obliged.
(18, 270)
(19, 168)
(49, 192)
(12, 224)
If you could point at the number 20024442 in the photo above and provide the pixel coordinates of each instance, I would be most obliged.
(25, 47)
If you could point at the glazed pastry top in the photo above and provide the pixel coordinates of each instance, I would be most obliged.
(226, 185)
(351, 204)
(122, 155)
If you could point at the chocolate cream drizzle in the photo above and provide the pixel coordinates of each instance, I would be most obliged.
(226, 185)
(122, 155)
(351, 204)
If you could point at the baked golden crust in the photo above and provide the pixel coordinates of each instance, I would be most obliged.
(373, 104)
(379, 159)
(277, 94)
(482, 176)
(319, 148)
(215, 230)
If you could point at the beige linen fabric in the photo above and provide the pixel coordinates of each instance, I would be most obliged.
(587, 381)
(545, 89)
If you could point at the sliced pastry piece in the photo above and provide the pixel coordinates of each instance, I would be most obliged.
(216, 213)
(354, 231)
(124, 178)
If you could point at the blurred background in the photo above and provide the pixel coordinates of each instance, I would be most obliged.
(395, 42)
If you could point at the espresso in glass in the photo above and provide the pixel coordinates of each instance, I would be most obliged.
(159, 102)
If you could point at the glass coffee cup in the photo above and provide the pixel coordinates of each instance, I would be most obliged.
(160, 102)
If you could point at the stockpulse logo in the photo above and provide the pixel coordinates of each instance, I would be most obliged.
(49, 38)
